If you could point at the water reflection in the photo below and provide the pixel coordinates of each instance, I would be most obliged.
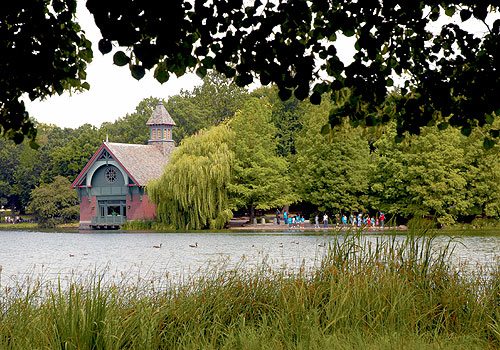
(131, 257)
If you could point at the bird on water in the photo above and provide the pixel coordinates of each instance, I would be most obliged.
(157, 246)
(195, 245)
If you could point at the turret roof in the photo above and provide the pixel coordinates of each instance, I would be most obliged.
(160, 116)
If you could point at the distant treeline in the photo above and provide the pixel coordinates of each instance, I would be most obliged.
(440, 173)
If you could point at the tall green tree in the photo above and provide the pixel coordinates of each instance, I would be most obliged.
(20, 169)
(261, 179)
(285, 115)
(192, 192)
(482, 174)
(424, 175)
(79, 145)
(331, 170)
(54, 203)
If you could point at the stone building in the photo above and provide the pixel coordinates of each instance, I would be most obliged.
(111, 187)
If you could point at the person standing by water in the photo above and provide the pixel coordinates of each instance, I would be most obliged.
(382, 219)
(325, 220)
(316, 221)
(285, 217)
(278, 216)
(344, 220)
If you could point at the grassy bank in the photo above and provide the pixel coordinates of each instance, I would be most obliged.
(397, 295)
(19, 226)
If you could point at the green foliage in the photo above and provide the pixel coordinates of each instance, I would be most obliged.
(260, 177)
(20, 169)
(285, 115)
(54, 203)
(44, 52)
(425, 175)
(192, 192)
(78, 147)
(331, 171)
(482, 173)
(444, 67)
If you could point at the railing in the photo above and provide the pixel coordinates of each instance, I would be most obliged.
(110, 220)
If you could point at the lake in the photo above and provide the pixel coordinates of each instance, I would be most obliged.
(131, 257)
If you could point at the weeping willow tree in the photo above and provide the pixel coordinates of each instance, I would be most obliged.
(191, 194)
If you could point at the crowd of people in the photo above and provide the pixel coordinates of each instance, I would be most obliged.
(354, 220)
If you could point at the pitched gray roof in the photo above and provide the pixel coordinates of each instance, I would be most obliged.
(160, 116)
(143, 162)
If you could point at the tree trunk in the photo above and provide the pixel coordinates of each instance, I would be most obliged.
(252, 214)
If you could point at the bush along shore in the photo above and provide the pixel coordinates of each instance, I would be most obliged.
(392, 294)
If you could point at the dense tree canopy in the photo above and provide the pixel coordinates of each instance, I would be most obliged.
(332, 171)
(260, 178)
(451, 74)
(54, 203)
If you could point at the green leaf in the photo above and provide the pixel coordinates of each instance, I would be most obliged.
(86, 86)
(480, 11)
(488, 143)
(104, 46)
(466, 130)
(465, 15)
(137, 71)
(325, 129)
(34, 145)
(161, 74)
(495, 133)
(399, 138)
(315, 98)
(59, 88)
(443, 126)
(489, 119)
(120, 58)
(284, 94)
(450, 11)
(348, 32)
(389, 82)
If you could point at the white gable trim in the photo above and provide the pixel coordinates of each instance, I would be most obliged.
(99, 163)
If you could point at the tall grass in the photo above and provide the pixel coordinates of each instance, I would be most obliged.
(389, 294)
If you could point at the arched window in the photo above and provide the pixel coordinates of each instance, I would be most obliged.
(165, 137)
(153, 134)
(168, 134)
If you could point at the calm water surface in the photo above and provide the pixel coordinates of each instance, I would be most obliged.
(131, 256)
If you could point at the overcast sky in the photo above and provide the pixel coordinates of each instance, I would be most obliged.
(114, 92)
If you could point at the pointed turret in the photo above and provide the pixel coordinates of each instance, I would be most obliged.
(160, 129)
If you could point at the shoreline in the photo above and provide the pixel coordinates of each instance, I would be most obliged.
(243, 226)
(311, 228)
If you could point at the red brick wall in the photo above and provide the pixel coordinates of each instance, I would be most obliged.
(140, 209)
(87, 209)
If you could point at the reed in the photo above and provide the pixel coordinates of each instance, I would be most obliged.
(388, 294)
